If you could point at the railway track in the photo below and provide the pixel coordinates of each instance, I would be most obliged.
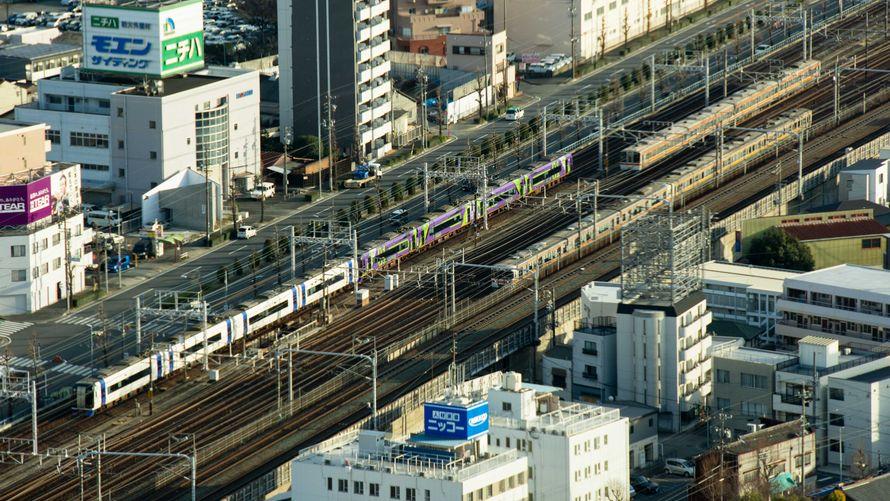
(400, 313)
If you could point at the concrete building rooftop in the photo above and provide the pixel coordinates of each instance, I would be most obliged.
(630, 409)
(765, 437)
(569, 419)
(37, 50)
(865, 164)
(846, 276)
(746, 354)
(873, 376)
(757, 277)
(560, 352)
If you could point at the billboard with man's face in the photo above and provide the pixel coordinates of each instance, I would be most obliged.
(57, 193)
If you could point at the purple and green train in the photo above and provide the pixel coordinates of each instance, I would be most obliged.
(445, 225)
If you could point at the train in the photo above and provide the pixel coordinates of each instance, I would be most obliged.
(685, 182)
(729, 112)
(117, 383)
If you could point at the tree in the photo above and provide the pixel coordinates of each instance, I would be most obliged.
(836, 495)
(384, 200)
(255, 260)
(625, 27)
(239, 270)
(396, 192)
(342, 216)
(221, 274)
(777, 249)
(268, 250)
(602, 37)
(355, 213)
(305, 146)
(370, 206)
(411, 185)
(616, 490)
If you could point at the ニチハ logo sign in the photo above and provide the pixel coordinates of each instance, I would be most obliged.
(112, 23)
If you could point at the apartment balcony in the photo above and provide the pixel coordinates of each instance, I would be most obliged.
(379, 47)
(381, 69)
(372, 69)
(365, 134)
(365, 94)
(364, 115)
(790, 404)
(823, 309)
(379, 7)
(362, 11)
(382, 127)
(381, 148)
(363, 53)
(799, 330)
(379, 26)
(362, 31)
(382, 88)
(380, 108)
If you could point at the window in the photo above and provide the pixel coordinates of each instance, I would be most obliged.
(19, 275)
(330, 484)
(836, 419)
(590, 372)
(723, 403)
(395, 492)
(18, 250)
(427, 496)
(411, 494)
(95, 167)
(153, 155)
(57, 238)
(836, 393)
(53, 99)
(35, 272)
(152, 124)
(722, 376)
(871, 243)
(121, 173)
(120, 112)
(89, 140)
(342, 485)
(753, 381)
(506, 406)
(358, 487)
(54, 136)
(57, 263)
(753, 409)
(507, 442)
(374, 490)
(589, 348)
(120, 144)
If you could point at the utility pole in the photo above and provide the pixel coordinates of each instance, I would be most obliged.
(600, 138)
(426, 188)
(293, 254)
(287, 139)
(544, 129)
(422, 80)
(572, 34)
(506, 86)
(751, 31)
(329, 124)
(358, 271)
(725, 70)
(652, 81)
(578, 210)
(138, 325)
(104, 333)
(69, 293)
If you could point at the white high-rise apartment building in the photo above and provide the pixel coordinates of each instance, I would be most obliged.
(574, 450)
(338, 46)
(662, 356)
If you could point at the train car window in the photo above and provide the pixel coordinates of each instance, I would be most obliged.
(404, 245)
(328, 281)
(454, 219)
(546, 174)
(200, 344)
(132, 379)
(269, 311)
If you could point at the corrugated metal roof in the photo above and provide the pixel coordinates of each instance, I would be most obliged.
(822, 341)
(819, 230)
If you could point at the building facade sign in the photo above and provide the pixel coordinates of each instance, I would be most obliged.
(156, 42)
(21, 204)
(456, 422)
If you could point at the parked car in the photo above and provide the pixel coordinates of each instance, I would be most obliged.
(247, 231)
(144, 248)
(677, 466)
(644, 485)
(514, 113)
(116, 262)
(103, 218)
(263, 191)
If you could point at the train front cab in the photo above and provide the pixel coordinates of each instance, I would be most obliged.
(85, 400)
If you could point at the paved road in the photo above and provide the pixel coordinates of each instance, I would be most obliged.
(70, 336)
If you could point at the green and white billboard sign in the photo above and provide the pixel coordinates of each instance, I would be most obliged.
(183, 52)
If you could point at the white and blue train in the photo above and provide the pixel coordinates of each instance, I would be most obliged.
(119, 382)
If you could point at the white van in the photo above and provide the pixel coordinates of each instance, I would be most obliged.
(103, 218)
(264, 190)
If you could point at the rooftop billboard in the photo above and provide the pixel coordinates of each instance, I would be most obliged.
(22, 204)
(455, 422)
(156, 41)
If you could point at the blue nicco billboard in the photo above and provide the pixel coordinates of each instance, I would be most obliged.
(456, 422)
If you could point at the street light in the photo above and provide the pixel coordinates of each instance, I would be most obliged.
(287, 140)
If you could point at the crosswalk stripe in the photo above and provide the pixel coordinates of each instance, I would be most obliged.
(23, 362)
